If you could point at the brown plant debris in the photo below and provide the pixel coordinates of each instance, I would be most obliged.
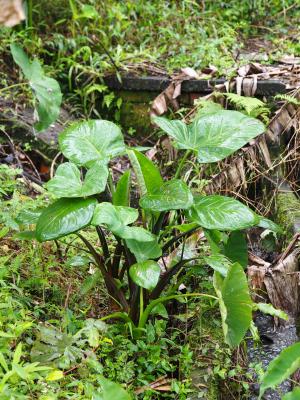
(280, 280)
(11, 12)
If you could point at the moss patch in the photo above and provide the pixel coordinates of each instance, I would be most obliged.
(288, 213)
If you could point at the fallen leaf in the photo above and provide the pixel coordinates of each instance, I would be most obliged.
(12, 12)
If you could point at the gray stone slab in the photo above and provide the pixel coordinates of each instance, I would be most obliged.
(159, 83)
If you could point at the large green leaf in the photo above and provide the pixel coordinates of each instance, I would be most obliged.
(235, 304)
(218, 262)
(222, 213)
(281, 368)
(112, 390)
(121, 194)
(144, 250)
(214, 136)
(145, 274)
(294, 395)
(147, 174)
(63, 217)
(116, 219)
(67, 181)
(85, 142)
(236, 248)
(46, 90)
(172, 195)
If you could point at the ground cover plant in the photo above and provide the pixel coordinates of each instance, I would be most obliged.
(101, 274)
(80, 42)
(142, 256)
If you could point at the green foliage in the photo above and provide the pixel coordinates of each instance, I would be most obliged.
(83, 42)
(293, 395)
(46, 90)
(236, 248)
(267, 224)
(147, 174)
(235, 303)
(84, 143)
(281, 368)
(172, 195)
(251, 105)
(145, 274)
(287, 98)
(122, 258)
(222, 213)
(219, 263)
(8, 181)
(111, 390)
(121, 194)
(129, 263)
(67, 182)
(213, 136)
(64, 217)
(269, 309)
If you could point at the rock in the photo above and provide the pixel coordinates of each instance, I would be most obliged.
(272, 343)
(19, 124)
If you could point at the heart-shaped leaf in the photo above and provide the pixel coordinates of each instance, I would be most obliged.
(137, 233)
(172, 195)
(235, 303)
(85, 142)
(222, 213)
(64, 217)
(144, 250)
(214, 136)
(46, 90)
(116, 219)
(145, 274)
(67, 182)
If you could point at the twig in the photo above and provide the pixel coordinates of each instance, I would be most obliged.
(53, 164)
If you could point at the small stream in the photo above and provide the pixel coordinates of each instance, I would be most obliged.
(273, 341)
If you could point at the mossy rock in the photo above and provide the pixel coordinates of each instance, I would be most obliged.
(288, 213)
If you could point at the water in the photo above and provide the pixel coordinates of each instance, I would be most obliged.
(273, 340)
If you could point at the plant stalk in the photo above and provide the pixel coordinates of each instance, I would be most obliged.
(13, 86)
(29, 13)
(182, 161)
(154, 303)
(141, 303)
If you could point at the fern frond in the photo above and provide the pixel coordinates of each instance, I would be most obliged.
(249, 104)
(287, 98)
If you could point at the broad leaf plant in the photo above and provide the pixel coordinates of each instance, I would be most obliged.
(136, 240)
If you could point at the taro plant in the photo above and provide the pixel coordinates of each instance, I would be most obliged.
(137, 242)
(46, 90)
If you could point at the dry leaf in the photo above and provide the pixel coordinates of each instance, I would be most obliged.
(290, 59)
(190, 72)
(159, 105)
(11, 12)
